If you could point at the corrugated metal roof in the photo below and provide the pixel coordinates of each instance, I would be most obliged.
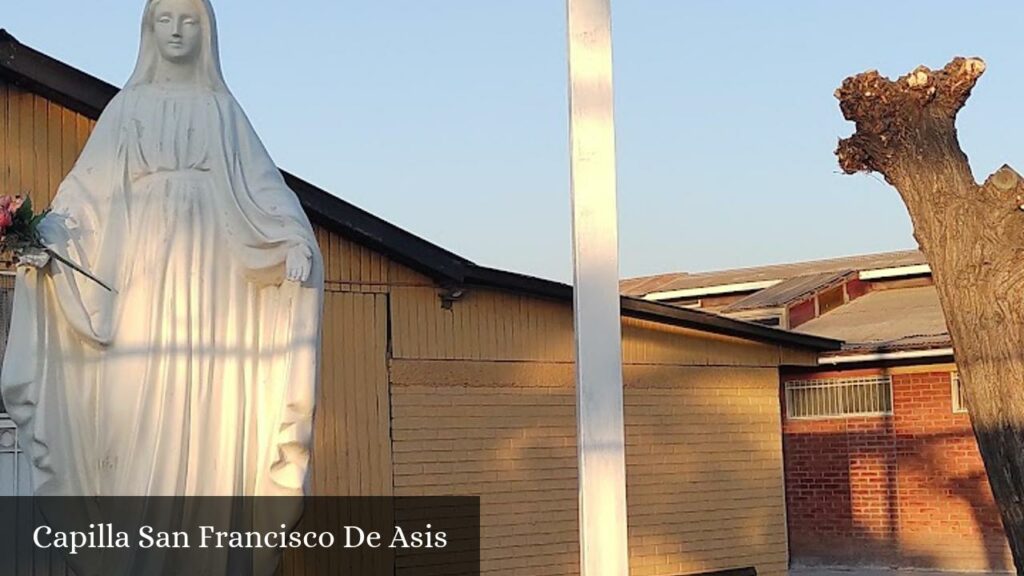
(683, 281)
(788, 291)
(904, 319)
(647, 284)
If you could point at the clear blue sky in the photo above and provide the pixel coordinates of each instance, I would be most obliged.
(448, 117)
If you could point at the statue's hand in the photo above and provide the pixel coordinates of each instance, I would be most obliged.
(298, 264)
(34, 257)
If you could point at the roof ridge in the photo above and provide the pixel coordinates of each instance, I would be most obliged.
(776, 265)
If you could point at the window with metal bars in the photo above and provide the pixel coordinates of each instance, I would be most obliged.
(838, 397)
(959, 404)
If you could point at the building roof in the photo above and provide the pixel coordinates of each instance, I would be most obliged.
(88, 95)
(888, 318)
(644, 286)
(885, 321)
(788, 291)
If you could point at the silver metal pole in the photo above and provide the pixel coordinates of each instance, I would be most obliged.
(599, 405)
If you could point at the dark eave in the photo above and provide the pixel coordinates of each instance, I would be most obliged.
(709, 322)
(52, 78)
(378, 234)
(89, 95)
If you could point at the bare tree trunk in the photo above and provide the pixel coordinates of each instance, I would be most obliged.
(973, 237)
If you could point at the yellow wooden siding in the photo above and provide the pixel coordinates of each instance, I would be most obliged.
(39, 143)
(351, 267)
(460, 429)
(352, 433)
(483, 325)
(494, 325)
(703, 453)
(704, 470)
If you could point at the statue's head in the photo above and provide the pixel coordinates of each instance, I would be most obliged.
(178, 29)
(179, 32)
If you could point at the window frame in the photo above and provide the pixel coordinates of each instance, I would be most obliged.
(834, 384)
(956, 393)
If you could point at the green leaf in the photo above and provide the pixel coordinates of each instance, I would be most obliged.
(25, 212)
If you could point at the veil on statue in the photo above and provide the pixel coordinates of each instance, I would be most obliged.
(210, 73)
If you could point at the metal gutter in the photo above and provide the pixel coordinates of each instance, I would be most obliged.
(897, 272)
(885, 356)
(711, 290)
(719, 289)
(690, 318)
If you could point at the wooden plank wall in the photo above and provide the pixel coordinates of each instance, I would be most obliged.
(353, 423)
(350, 267)
(352, 455)
(39, 143)
(504, 431)
(500, 326)
(483, 399)
(704, 461)
(704, 470)
(353, 432)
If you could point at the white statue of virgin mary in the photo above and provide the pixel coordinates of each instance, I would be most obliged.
(196, 374)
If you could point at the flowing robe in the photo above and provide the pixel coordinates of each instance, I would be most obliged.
(196, 377)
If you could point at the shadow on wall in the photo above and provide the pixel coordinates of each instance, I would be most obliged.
(704, 470)
(859, 493)
(703, 451)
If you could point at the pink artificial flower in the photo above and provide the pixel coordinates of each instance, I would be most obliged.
(6, 219)
(5, 203)
(16, 204)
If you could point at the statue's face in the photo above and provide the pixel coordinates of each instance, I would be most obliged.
(178, 30)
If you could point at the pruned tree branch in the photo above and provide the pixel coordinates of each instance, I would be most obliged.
(890, 115)
(973, 237)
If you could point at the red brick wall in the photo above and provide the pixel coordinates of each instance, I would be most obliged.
(905, 490)
(801, 313)
(856, 288)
